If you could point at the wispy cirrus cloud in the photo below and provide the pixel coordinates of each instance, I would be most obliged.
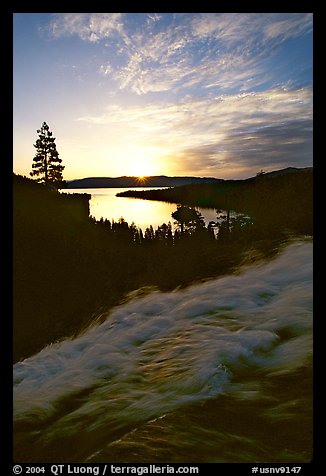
(230, 28)
(89, 27)
(204, 50)
(290, 27)
(278, 104)
(227, 71)
(245, 29)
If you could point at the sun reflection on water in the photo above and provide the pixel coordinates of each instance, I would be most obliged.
(105, 204)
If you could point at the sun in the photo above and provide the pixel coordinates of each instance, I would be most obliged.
(141, 179)
(140, 163)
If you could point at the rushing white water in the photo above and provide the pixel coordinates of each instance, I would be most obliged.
(160, 352)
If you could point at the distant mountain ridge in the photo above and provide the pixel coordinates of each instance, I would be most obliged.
(125, 181)
(159, 180)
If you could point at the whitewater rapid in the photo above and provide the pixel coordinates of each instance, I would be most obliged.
(160, 352)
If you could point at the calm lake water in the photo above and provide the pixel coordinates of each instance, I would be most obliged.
(143, 213)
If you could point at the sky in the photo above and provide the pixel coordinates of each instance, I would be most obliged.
(221, 95)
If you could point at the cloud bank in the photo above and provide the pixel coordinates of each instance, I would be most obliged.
(270, 129)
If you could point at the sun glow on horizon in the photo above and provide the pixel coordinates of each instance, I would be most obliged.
(141, 161)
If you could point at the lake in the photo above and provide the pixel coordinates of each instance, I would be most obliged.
(143, 213)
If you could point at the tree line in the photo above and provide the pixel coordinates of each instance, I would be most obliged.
(189, 225)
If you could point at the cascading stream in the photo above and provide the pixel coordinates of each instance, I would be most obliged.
(162, 355)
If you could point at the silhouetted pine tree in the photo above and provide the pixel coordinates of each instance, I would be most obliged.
(188, 218)
(46, 163)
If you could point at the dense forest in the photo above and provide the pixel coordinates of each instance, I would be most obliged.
(69, 268)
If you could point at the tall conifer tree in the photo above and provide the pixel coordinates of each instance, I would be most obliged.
(46, 163)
